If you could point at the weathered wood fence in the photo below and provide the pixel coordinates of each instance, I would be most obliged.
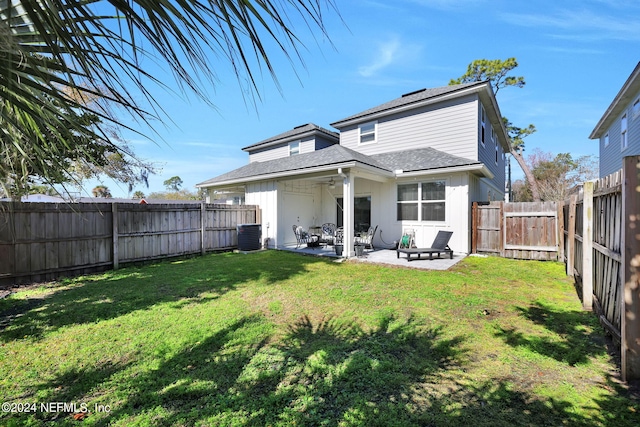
(602, 219)
(517, 230)
(43, 241)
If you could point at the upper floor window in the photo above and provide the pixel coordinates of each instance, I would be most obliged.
(422, 201)
(623, 133)
(635, 110)
(368, 132)
(606, 140)
(294, 148)
(497, 154)
(482, 124)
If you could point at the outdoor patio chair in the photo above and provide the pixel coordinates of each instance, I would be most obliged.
(328, 233)
(367, 239)
(303, 237)
(439, 246)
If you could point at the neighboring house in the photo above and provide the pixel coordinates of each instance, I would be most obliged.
(619, 128)
(38, 198)
(417, 162)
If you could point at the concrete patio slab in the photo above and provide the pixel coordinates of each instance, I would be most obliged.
(383, 256)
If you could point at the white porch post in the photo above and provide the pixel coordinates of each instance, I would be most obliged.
(347, 214)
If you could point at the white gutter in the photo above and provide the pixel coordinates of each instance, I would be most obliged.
(447, 170)
(295, 172)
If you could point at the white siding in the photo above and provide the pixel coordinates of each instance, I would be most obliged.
(299, 203)
(451, 127)
(271, 153)
(281, 150)
(458, 214)
(265, 195)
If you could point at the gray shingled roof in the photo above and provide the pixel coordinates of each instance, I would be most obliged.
(298, 130)
(412, 97)
(335, 154)
(421, 159)
(409, 160)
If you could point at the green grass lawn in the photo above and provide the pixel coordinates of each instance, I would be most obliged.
(279, 339)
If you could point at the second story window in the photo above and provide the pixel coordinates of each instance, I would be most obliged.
(635, 110)
(623, 133)
(294, 148)
(606, 140)
(368, 132)
(482, 125)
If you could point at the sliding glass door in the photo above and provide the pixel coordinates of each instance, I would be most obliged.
(361, 213)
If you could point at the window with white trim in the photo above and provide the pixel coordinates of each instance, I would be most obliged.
(423, 201)
(367, 132)
(623, 133)
(482, 125)
(495, 144)
(635, 109)
(606, 139)
(294, 148)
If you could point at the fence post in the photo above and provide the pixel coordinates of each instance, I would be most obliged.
(630, 322)
(474, 228)
(203, 213)
(587, 246)
(560, 228)
(502, 220)
(571, 237)
(114, 222)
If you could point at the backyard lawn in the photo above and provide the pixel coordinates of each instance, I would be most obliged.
(278, 339)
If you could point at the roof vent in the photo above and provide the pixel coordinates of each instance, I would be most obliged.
(301, 126)
(414, 92)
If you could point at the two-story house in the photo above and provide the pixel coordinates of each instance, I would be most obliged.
(618, 130)
(418, 162)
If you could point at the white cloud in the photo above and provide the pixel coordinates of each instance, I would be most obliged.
(584, 25)
(385, 56)
(390, 53)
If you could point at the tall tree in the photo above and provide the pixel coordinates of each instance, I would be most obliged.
(497, 71)
(99, 49)
(101, 191)
(556, 175)
(173, 184)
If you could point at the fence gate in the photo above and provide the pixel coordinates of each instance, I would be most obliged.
(518, 230)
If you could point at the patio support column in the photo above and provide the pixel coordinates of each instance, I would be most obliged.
(347, 214)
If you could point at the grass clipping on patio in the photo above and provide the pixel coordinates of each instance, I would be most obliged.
(275, 338)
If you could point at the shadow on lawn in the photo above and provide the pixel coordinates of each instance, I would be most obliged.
(115, 293)
(331, 373)
(580, 338)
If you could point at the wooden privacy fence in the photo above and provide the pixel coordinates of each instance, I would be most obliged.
(517, 230)
(603, 255)
(43, 241)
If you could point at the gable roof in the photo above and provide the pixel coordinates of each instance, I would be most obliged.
(408, 100)
(295, 133)
(619, 103)
(423, 159)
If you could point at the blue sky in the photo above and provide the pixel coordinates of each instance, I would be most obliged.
(574, 54)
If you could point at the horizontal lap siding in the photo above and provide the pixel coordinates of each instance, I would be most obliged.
(451, 127)
(611, 156)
